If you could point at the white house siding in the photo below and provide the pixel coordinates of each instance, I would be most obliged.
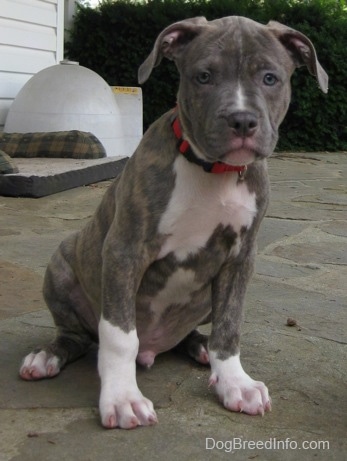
(31, 38)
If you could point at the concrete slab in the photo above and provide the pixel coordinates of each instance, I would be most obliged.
(300, 273)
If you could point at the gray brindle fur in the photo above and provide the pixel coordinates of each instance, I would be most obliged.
(171, 247)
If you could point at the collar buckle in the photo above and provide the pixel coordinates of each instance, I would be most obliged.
(242, 173)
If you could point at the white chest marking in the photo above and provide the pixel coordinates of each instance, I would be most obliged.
(199, 203)
(177, 290)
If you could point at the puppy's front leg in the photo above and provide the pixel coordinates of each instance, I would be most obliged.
(121, 402)
(235, 388)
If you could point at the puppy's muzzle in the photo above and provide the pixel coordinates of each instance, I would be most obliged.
(243, 123)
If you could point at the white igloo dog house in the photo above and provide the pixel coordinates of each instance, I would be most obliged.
(68, 96)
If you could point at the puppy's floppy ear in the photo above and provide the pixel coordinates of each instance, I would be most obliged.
(170, 43)
(301, 50)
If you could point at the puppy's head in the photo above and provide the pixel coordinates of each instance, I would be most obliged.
(234, 82)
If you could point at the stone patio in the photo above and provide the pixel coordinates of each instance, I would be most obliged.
(300, 274)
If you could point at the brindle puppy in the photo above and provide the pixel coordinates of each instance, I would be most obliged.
(173, 241)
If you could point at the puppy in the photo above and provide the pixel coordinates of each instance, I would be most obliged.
(173, 242)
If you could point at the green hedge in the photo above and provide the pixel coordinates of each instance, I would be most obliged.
(115, 38)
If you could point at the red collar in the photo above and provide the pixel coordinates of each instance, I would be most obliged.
(185, 149)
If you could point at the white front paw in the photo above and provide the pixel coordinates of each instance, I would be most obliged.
(126, 410)
(121, 402)
(236, 389)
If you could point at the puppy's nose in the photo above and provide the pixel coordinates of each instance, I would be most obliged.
(243, 123)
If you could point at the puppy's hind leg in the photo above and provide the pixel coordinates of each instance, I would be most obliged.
(72, 339)
(195, 345)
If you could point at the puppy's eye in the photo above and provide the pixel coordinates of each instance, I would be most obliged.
(270, 79)
(204, 78)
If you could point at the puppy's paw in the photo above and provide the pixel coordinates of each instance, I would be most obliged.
(121, 402)
(237, 390)
(242, 394)
(202, 357)
(195, 345)
(126, 412)
(39, 365)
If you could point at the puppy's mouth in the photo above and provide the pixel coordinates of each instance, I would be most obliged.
(237, 152)
(239, 157)
(243, 151)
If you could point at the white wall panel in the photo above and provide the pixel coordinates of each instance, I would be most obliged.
(31, 39)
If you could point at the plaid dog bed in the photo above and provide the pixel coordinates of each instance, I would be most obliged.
(61, 144)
